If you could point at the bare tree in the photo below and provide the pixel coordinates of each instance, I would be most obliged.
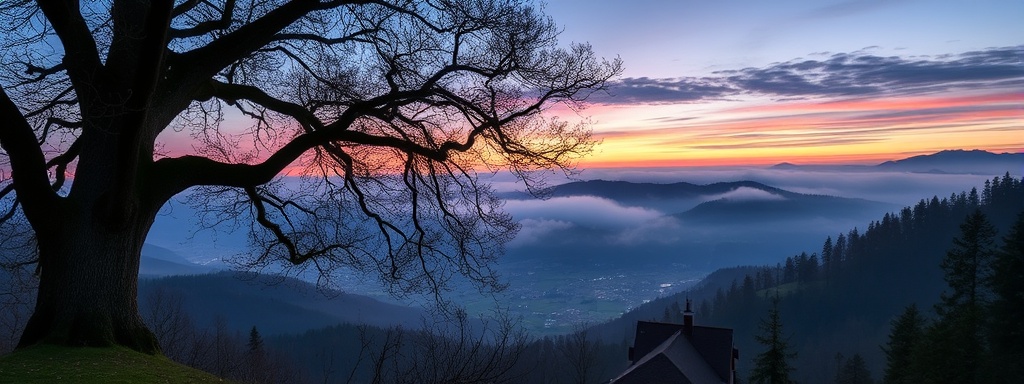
(388, 108)
(163, 311)
(580, 350)
(455, 350)
(227, 351)
(458, 351)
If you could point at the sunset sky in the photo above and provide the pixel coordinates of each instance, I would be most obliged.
(757, 83)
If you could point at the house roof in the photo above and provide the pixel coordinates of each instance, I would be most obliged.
(698, 354)
(675, 360)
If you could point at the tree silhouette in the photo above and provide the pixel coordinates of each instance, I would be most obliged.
(1006, 328)
(772, 366)
(955, 343)
(388, 109)
(855, 371)
(904, 339)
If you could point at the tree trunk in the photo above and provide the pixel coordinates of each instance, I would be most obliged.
(88, 289)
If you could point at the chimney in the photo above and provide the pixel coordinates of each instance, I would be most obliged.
(688, 319)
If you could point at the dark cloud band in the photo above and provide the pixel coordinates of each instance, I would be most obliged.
(839, 75)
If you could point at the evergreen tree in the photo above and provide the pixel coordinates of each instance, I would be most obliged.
(903, 340)
(789, 271)
(255, 370)
(772, 366)
(855, 371)
(255, 340)
(956, 341)
(838, 253)
(826, 259)
(1006, 328)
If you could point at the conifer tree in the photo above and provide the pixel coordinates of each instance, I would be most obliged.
(826, 259)
(1006, 328)
(855, 371)
(255, 340)
(255, 370)
(903, 341)
(956, 342)
(772, 366)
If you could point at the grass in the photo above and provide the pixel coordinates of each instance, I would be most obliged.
(56, 364)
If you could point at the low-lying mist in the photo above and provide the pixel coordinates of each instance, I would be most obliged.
(585, 259)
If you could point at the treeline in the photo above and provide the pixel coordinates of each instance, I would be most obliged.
(453, 351)
(443, 349)
(217, 349)
(977, 333)
(837, 302)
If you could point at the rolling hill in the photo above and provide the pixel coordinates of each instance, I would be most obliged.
(274, 304)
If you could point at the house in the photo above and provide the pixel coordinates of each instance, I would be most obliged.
(680, 353)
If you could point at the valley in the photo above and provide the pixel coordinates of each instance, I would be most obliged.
(593, 250)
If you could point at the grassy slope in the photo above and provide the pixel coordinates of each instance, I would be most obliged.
(54, 364)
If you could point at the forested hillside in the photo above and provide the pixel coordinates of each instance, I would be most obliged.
(838, 301)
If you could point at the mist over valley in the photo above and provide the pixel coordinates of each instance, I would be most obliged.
(592, 249)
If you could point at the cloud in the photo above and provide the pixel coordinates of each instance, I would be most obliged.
(839, 75)
(648, 90)
(615, 224)
(662, 230)
(584, 211)
(745, 194)
(531, 231)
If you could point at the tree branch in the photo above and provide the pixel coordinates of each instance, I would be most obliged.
(231, 93)
(81, 56)
(40, 72)
(61, 162)
(182, 8)
(205, 61)
(207, 26)
(327, 40)
(28, 165)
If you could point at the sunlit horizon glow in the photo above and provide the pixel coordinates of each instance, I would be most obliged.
(860, 131)
(758, 83)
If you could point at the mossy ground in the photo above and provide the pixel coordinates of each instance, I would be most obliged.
(56, 364)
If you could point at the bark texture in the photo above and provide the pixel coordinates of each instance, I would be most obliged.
(89, 286)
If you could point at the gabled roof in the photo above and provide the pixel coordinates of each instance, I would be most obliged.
(678, 353)
(675, 360)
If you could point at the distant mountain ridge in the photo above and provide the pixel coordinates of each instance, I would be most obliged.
(954, 161)
(795, 207)
(958, 161)
(159, 261)
(720, 201)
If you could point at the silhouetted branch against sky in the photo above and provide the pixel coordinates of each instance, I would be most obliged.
(388, 109)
